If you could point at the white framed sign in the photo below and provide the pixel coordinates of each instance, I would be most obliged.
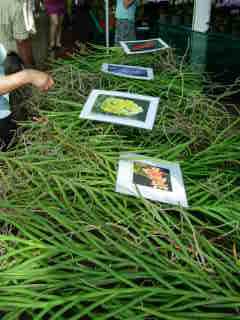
(156, 180)
(143, 46)
(121, 108)
(133, 72)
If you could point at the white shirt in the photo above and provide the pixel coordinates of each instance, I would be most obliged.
(4, 99)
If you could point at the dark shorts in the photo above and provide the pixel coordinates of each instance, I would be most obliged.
(125, 31)
(8, 129)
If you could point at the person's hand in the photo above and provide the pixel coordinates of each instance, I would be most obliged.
(40, 80)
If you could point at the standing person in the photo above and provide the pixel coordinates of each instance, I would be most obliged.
(153, 9)
(82, 24)
(56, 10)
(9, 83)
(15, 29)
(125, 20)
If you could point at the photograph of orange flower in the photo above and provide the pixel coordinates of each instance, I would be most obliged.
(151, 176)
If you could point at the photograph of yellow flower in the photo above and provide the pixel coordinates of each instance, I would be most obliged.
(121, 108)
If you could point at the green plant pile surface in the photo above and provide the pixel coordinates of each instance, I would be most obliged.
(72, 248)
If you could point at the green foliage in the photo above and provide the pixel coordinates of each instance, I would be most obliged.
(72, 248)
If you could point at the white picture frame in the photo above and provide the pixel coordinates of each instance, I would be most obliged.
(175, 195)
(132, 72)
(145, 120)
(126, 45)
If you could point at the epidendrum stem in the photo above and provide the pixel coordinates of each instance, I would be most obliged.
(73, 248)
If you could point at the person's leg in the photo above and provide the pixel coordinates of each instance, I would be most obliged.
(131, 33)
(82, 27)
(125, 31)
(120, 31)
(59, 31)
(54, 22)
(69, 8)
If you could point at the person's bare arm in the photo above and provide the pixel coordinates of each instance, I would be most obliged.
(25, 51)
(128, 3)
(39, 79)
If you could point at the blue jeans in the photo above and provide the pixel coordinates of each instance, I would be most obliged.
(125, 31)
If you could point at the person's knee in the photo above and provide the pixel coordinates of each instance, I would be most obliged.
(54, 21)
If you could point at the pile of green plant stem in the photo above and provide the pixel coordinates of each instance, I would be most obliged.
(72, 248)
